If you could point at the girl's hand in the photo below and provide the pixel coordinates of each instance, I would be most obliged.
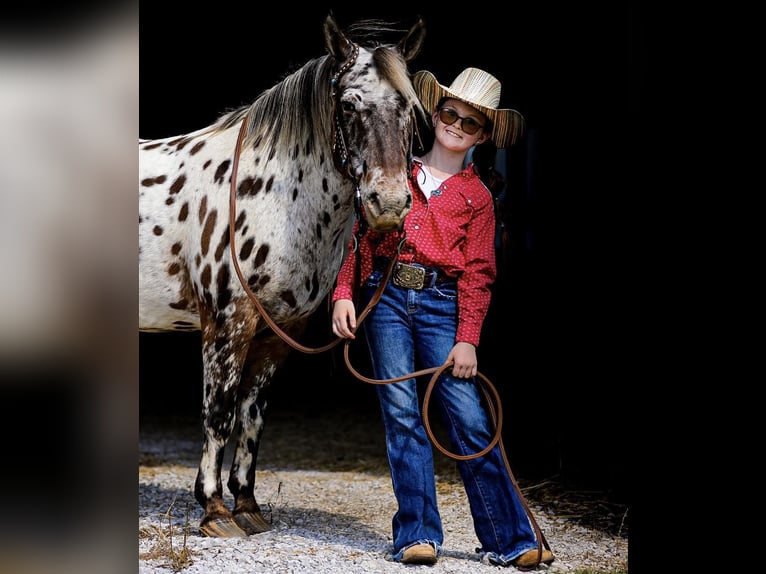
(465, 364)
(344, 319)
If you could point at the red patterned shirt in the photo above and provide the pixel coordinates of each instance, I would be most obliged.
(453, 231)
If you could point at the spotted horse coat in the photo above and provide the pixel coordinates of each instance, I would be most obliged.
(340, 126)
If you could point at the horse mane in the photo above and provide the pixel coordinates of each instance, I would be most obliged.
(299, 107)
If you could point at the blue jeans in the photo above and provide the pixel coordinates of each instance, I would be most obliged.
(407, 324)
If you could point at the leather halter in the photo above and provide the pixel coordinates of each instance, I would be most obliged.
(339, 149)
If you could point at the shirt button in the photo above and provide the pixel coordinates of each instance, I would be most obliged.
(417, 227)
(469, 201)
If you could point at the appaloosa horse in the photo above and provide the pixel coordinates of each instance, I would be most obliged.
(331, 141)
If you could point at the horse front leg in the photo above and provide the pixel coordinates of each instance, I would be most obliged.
(225, 344)
(267, 353)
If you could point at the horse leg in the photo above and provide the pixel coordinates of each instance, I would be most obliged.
(225, 344)
(266, 354)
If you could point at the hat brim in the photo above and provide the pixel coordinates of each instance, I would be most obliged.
(507, 124)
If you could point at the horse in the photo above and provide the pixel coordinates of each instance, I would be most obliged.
(329, 144)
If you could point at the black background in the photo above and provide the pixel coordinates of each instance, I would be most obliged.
(557, 341)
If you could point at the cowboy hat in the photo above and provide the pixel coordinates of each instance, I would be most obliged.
(476, 88)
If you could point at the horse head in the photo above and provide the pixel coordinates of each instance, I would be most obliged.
(375, 109)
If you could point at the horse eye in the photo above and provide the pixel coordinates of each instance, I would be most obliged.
(348, 106)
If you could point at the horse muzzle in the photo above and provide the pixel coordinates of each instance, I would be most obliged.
(387, 216)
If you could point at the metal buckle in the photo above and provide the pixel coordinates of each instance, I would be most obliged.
(409, 276)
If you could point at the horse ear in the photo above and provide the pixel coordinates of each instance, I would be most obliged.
(334, 40)
(412, 43)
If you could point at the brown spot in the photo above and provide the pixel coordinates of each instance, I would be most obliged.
(150, 181)
(184, 213)
(288, 297)
(221, 170)
(152, 145)
(261, 255)
(270, 183)
(157, 230)
(222, 244)
(249, 186)
(173, 268)
(207, 231)
(207, 164)
(182, 304)
(314, 287)
(222, 284)
(240, 220)
(178, 184)
(202, 209)
(170, 201)
(176, 249)
(181, 142)
(206, 276)
(247, 248)
(198, 146)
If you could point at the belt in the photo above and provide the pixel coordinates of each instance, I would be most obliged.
(416, 276)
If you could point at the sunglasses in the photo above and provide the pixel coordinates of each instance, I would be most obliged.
(448, 116)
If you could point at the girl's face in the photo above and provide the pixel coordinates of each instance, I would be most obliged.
(458, 126)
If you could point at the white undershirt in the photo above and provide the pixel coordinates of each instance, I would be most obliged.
(430, 183)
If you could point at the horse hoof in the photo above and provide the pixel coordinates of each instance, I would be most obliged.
(222, 528)
(252, 522)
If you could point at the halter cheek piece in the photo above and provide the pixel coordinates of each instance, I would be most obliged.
(340, 151)
(339, 148)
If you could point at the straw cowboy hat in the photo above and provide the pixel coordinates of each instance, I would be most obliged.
(479, 89)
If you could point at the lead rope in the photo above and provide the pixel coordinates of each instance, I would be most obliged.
(487, 388)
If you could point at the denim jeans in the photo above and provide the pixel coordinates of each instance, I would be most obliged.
(407, 324)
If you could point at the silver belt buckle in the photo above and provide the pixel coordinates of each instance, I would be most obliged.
(409, 276)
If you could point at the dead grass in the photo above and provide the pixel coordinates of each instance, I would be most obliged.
(175, 558)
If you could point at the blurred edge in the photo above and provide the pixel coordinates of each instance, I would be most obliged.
(68, 253)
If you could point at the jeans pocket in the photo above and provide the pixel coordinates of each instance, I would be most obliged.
(445, 291)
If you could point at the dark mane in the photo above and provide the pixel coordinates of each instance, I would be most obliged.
(298, 109)
(294, 110)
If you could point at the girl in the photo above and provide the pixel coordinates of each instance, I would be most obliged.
(432, 311)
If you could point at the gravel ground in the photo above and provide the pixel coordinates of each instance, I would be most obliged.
(324, 487)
